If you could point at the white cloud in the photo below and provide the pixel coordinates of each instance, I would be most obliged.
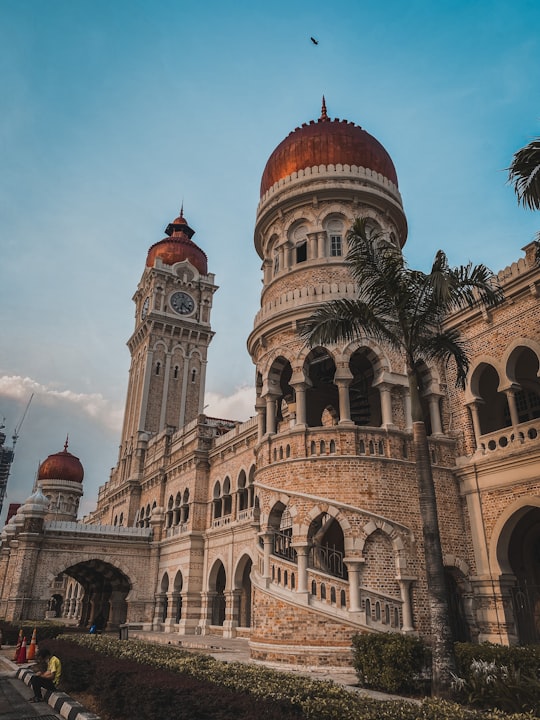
(94, 405)
(238, 406)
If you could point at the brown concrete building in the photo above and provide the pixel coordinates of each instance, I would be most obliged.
(302, 526)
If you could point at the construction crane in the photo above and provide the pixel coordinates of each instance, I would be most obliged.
(7, 454)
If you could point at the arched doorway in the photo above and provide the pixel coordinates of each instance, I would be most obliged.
(327, 546)
(322, 392)
(105, 591)
(217, 589)
(364, 399)
(242, 611)
(524, 558)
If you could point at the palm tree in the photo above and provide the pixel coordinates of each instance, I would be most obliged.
(524, 174)
(406, 308)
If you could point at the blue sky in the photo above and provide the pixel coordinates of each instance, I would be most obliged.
(114, 113)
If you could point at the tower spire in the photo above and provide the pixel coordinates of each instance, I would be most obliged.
(324, 116)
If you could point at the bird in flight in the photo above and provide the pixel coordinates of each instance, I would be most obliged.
(315, 42)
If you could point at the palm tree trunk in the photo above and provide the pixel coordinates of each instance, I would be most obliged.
(443, 661)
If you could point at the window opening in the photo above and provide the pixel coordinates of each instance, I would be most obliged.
(301, 252)
(335, 246)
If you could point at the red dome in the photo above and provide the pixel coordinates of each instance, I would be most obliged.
(61, 466)
(327, 142)
(178, 247)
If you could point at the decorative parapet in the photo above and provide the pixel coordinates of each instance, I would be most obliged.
(74, 528)
(324, 292)
(513, 271)
(235, 432)
(330, 172)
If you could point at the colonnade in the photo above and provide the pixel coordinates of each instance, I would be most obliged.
(266, 404)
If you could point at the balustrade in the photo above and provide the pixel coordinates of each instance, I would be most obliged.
(510, 437)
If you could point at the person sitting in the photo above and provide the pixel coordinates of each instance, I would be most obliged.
(48, 678)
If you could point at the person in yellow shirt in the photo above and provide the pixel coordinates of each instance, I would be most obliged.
(47, 679)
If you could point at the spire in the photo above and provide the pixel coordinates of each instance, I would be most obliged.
(324, 116)
(66, 443)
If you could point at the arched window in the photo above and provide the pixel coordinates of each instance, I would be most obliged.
(158, 368)
(193, 375)
(175, 373)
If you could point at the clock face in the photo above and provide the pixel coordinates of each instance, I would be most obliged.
(182, 303)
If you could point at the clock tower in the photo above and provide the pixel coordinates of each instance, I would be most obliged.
(172, 333)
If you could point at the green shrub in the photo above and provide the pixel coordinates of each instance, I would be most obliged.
(497, 676)
(390, 662)
(525, 658)
(128, 678)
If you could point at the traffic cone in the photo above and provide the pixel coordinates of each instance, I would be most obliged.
(31, 653)
(19, 643)
(21, 657)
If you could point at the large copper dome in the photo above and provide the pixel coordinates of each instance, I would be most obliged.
(327, 142)
(61, 466)
(178, 246)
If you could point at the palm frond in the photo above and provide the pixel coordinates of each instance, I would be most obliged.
(346, 320)
(448, 347)
(524, 175)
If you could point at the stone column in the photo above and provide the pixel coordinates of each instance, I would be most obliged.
(406, 610)
(473, 407)
(343, 378)
(311, 246)
(158, 611)
(171, 611)
(302, 551)
(435, 414)
(260, 408)
(512, 406)
(354, 565)
(385, 393)
(270, 414)
(268, 540)
(300, 396)
(321, 243)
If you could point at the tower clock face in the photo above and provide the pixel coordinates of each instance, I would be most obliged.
(182, 303)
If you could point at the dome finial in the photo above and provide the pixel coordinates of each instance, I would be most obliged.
(182, 210)
(66, 443)
(324, 116)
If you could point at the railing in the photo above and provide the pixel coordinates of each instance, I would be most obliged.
(283, 546)
(177, 530)
(246, 514)
(327, 559)
(510, 437)
(222, 521)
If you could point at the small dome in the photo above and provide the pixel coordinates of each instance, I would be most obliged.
(178, 247)
(61, 466)
(36, 502)
(327, 142)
